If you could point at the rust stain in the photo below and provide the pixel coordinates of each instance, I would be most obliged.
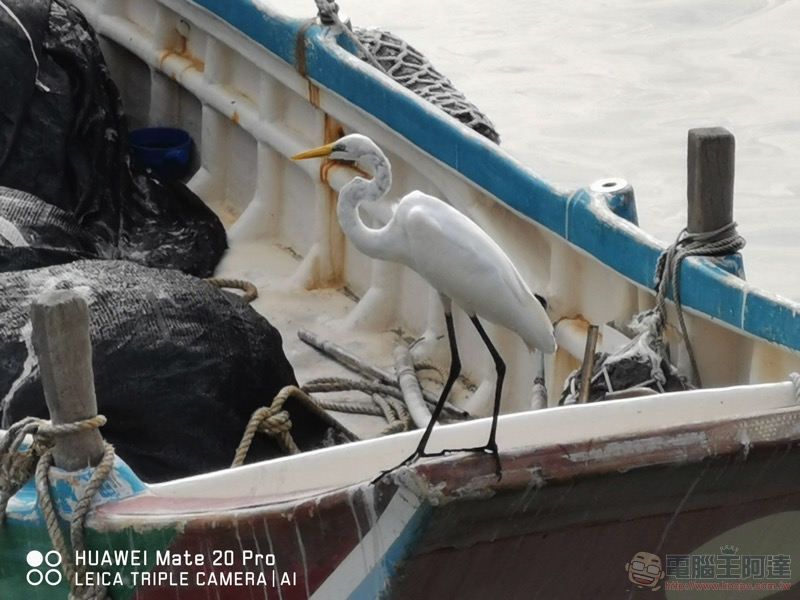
(192, 62)
(353, 169)
(333, 129)
(313, 95)
(578, 318)
(300, 47)
(235, 117)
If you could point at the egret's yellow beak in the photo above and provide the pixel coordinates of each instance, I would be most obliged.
(315, 153)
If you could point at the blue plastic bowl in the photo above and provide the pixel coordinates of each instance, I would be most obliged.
(167, 151)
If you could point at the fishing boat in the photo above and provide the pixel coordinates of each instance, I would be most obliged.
(647, 493)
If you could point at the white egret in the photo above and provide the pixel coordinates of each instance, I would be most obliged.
(451, 253)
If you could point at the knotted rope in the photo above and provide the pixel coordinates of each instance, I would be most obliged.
(329, 16)
(16, 469)
(720, 242)
(272, 420)
(17, 466)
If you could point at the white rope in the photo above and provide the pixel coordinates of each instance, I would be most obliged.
(16, 20)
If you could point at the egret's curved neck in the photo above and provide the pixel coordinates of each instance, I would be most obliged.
(365, 239)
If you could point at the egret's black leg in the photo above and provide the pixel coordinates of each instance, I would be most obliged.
(500, 366)
(455, 371)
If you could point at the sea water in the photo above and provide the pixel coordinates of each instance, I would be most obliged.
(584, 90)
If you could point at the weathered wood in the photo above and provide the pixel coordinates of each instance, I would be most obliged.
(711, 155)
(354, 363)
(588, 363)
(60, 321)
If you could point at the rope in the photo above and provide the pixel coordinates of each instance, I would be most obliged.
(353, 407)
(341, 384)
(73, 572)
(408, 67)
(328, 12)
(721, 242)
(386, 401)
(250, 291)
(329, 16)
(272, 420)
(276, 422)
(393, 414)
(18, 467)
(402, 411)
(427, 365)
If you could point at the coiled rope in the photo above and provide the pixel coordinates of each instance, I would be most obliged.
(250, 290)
(720, 242)
(274, 420)
(16, 469)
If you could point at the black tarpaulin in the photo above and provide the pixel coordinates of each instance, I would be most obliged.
(179, 365)
(64, 139)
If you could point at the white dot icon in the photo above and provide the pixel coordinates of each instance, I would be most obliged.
(35, 558)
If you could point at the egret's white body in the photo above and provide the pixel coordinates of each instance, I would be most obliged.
(449, 251)
(465, 265)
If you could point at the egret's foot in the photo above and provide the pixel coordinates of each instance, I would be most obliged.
(490, 448)
(417, 454)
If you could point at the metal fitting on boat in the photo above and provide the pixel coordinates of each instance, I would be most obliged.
(619, 197)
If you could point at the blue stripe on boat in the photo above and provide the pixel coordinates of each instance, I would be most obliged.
(704, 286)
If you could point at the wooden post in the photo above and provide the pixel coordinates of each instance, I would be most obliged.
(588, 363)
(60, 321)
(710, 179)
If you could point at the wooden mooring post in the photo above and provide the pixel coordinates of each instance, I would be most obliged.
(710, 163)
(60, 321)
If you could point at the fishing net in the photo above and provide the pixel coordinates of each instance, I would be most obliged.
(179, 365)
(410, 68)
